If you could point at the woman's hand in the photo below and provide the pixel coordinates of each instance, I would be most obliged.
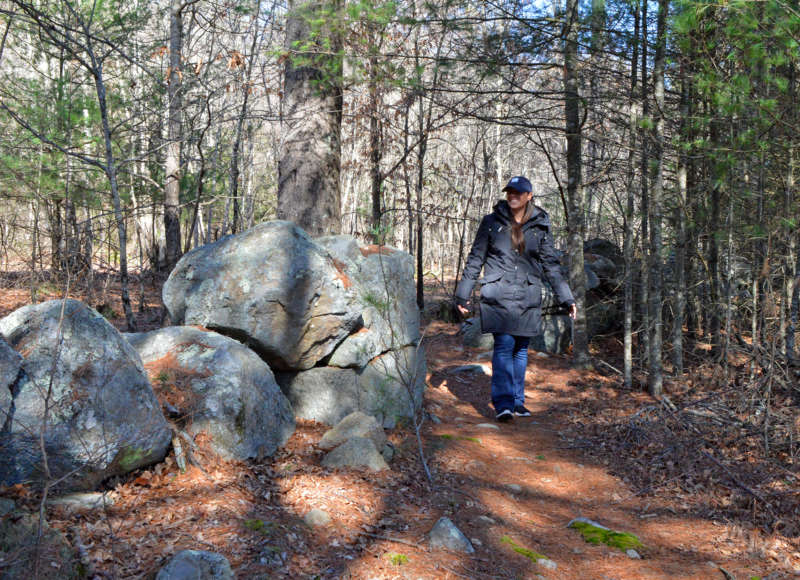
(462, 310)
(573, 311)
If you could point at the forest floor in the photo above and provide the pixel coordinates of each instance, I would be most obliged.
(688, 476)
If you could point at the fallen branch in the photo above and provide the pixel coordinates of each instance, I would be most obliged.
(735, 480)
(396, 540)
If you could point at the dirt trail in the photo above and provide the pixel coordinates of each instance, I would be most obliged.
(556, 484)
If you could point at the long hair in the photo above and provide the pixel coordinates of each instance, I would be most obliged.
(517, 238)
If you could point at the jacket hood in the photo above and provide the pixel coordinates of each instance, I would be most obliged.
(538, 218)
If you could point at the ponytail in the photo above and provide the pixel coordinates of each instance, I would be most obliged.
(517, 238)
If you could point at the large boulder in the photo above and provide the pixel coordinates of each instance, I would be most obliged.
(10, 366)
(605, 248)
(556, 335)
(383, 280)
(392, 385)
(271, 286)
(220, 387)
(324, 394)
(86, 384)
(385, 388)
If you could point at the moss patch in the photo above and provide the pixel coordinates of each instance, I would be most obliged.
(530, 554)
(450, 436)
(130, 458)
(596, 535)
(397, 559)
(259, 526)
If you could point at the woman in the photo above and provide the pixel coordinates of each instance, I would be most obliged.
(515, 248)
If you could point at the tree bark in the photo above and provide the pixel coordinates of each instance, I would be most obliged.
(655, 376)
(311, 117)
(627, 248)
(575, 193)
(172, 164)
(237, 141)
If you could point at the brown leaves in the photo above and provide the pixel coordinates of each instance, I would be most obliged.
(236, 60)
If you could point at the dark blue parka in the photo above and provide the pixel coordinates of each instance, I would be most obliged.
(511, 287)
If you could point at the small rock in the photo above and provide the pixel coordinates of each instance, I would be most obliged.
(356, 424)
(476, 542)
(476, 465)
(317, 517)
(488, 426)
(483, 355)
(356, 452)
(486, 520)
(446, 535)
(577, 551)
(434, 419)
(546, 563)
(633, 554)
(196, 565)
(480, 369)
(586, 521)
(514, 487)
(542, 354)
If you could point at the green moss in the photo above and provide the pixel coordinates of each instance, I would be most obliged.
(595, 535)
(530, 554)
(259, 526)
(240, 423)
(450, 436)
(129, 458)
(397, 559)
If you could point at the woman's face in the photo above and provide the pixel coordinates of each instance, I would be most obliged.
(517, 199)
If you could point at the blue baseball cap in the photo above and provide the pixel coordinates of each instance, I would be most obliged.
(519, 183)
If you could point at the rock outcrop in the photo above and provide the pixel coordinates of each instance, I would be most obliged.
(219, 387)
(87, 386)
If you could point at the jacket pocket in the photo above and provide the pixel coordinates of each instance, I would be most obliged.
(490, 287)
(533, 291)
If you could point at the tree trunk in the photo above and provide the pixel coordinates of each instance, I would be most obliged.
(311, 117)
(655, 376)
(575, 219)
(237, 141)
(172, 164)
(627, 248)
(111, 172)
(679, 303)
(644, 288)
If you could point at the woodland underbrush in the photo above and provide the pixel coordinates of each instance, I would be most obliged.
(723, 442)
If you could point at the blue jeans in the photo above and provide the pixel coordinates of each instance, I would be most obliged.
(509, 360)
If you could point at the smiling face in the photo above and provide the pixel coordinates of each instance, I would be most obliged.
(517, 200)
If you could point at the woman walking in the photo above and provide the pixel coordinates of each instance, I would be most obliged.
(515, 248)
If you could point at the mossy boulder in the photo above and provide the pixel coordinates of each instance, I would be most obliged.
(88, 385)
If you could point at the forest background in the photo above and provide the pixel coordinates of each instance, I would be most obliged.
(134, 131)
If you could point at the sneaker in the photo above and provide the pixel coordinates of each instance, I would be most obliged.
(521, 411)
(504, 416)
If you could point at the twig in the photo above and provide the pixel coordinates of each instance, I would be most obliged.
(722, 466)
(601, 361)
(397, 540)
